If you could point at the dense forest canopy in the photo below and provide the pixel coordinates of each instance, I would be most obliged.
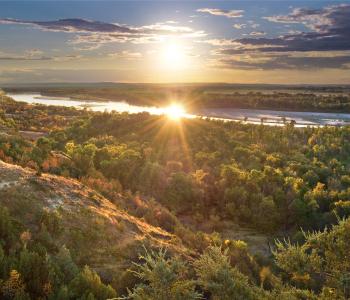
(192, 178)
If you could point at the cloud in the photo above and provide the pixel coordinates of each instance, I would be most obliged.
(34, 52)
(328, 32)
(126, 54)
(254, 25)
(171, 22)
(222, 12)
(85, 47)
(166, 28)
(239, 26)
(315, 19)
(35, 55)
(67, 57)
(31, 54)
(93, 34)
(257, 33)
(73, 25)
(236, 46)
(23, 57)
(289, 62)
(17, 75)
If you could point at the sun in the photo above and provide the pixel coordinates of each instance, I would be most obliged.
(173, 56)
(175, 112)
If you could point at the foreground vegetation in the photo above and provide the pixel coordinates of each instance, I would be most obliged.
(191, 178)
(31, 269)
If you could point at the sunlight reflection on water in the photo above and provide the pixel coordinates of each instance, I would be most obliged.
(252, 116)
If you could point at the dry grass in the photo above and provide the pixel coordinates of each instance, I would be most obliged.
(104, 236)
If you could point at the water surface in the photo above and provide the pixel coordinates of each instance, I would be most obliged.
(253, 116)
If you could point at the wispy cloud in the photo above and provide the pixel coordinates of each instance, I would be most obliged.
(222, 12)
(220, 42)
(23, 57)
(316, 19)
(126, 54)
(257, 33)
(35, 55)
(239, 26)
(253, 24)
(288, 61)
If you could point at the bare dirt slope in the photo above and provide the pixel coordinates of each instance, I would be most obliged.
(99, 233)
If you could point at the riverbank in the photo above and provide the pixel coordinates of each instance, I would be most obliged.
(291, 98)
(250, 116)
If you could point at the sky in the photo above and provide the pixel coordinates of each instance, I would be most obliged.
(287, 42)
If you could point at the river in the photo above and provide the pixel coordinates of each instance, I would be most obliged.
(252, 116)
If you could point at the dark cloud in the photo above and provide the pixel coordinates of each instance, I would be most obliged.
(73, 25)
(323, 20)
(331, 31)
(98, 33)
(328, 31)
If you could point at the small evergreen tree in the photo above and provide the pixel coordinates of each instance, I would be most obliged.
(163, 279)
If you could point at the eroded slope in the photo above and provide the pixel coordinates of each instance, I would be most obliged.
(97, 232)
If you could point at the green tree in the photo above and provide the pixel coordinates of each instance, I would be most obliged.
(220, 279)
(180, 194)
(88, 285)
(163, 279)
(8, 230)
(34, 269)
(322, 259)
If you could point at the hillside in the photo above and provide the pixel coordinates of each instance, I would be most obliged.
(185, 206)
(100, 235)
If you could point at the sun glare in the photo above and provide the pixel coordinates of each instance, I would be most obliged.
(175, 112)
(174, 56)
